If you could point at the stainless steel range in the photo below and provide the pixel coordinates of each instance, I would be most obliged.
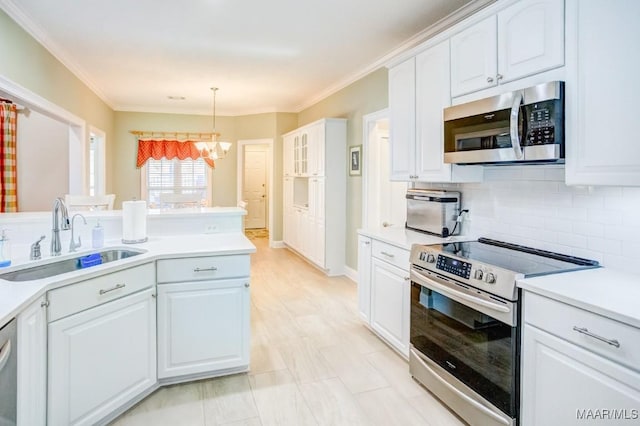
(465, 332)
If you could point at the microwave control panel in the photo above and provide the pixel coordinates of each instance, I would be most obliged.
(541, 123)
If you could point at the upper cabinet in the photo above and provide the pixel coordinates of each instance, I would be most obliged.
(304, 151)
(524, 39)
(602, 87)
(418, 93)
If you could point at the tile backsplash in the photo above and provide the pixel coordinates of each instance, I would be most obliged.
(531, 205)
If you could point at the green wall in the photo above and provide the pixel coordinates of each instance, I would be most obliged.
(367, 95)
(27, 63)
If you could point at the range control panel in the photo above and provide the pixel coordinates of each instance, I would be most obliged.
(454, 266)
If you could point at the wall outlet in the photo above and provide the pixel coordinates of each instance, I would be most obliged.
(210, 229)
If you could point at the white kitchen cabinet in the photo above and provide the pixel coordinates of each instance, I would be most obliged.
(418, 93)
(566, 372)
(316, 228)
(32, 364)
(523, 39)
(203, 316)
(101, 358)
(601, 88)
(364, 277)
(287, 210)
(390, 298)
(288, 167)
(203, 327)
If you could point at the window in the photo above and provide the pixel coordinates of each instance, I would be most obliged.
(96, 162)
(182, 177)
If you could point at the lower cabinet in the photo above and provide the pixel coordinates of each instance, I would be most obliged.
(101, 358)
(390, 298)
(32, 364)
(364, 277)
(203, 327)
(577, 367)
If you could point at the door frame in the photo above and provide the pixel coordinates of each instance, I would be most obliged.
(368, 124)
(240, 176)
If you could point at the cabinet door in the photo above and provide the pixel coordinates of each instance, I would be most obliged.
(101, 358)
(602, 84)
(562, 383)
(530, 38)
(296, 154)
(402, 120)
(317, 198)
(304, 153)
(287, 210)
(316, 141)
(432, 96)
(287, 155)
(32, 364)
(390, 295)
(202, 327)
(364, 277)
(474, 58)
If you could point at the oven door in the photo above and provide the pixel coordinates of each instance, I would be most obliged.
(464, 348)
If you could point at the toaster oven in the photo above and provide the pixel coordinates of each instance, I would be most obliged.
(433, 211)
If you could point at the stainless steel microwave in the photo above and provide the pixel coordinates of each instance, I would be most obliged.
(521, 127)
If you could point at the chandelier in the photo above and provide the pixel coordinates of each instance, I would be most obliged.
(213, 149)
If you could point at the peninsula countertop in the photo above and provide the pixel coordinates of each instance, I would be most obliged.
(15, 296)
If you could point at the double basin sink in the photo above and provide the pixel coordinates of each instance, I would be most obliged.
(82, 261)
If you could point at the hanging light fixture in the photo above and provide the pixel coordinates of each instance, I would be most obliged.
(214, 149)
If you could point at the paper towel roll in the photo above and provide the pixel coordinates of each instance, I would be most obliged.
(134, 222)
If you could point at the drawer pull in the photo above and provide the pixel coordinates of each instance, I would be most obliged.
(116, 287)
(612, 342)
(387, 254)
(213, 268)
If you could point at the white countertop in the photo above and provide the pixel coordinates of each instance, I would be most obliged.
(14, 296)
(608, 292)
(404, 238)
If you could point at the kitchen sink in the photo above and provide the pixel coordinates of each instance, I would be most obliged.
(62, 266)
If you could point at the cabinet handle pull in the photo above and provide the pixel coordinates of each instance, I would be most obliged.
(44, 304)
(116, 287)
(366, 243)
(387, 254)
(213, 268)
(612, 342)
(407, 278)
(489, 79)
(499, 77)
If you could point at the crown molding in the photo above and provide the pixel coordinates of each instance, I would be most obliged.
(431, 31)
(198, 111)
(38, 33)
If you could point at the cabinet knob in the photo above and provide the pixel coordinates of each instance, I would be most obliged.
(366, 243)
(246, 285)
(489, 79)
(44, 304)
(499, 77)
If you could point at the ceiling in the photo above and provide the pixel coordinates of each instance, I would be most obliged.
(265, 56)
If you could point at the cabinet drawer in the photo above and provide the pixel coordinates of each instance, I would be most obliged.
(203, 268)
(560, 319)
(95, 291)
(392, 254)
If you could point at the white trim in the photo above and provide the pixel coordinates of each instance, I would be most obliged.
(101, 167)
(368, 123)
(240, 169)
(277, 244)
(40, 35)
(351, 273)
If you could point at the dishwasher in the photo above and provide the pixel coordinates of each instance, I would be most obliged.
(8, 374)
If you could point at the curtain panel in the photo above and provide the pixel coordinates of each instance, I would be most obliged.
(8, 171)
(169, 149)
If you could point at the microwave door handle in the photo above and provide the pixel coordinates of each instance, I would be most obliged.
(515, 136)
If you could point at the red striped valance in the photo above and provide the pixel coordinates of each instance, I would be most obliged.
(157, 149)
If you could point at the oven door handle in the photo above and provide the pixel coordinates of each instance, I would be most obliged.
(475, 404)
(450, 292)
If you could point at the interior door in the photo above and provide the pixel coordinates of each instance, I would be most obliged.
(254, 191)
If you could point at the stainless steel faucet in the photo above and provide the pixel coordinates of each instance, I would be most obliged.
(58, 206)
(73, 245)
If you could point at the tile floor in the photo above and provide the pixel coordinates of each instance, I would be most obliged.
(313, 362)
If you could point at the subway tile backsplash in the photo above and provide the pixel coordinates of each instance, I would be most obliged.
(531, 205)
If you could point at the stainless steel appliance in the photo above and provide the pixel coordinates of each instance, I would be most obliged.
(465, 331)
(433, 211)
(525, 126)
(8, 374)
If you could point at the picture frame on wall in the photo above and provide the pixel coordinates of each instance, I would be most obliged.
(355, 160)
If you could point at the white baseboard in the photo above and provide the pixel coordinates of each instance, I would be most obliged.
(277, 244)
(350, 273)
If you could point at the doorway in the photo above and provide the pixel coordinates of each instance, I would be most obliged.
(255, 183)
(384, 201)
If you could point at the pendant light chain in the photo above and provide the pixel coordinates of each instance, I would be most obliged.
(214, 89)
